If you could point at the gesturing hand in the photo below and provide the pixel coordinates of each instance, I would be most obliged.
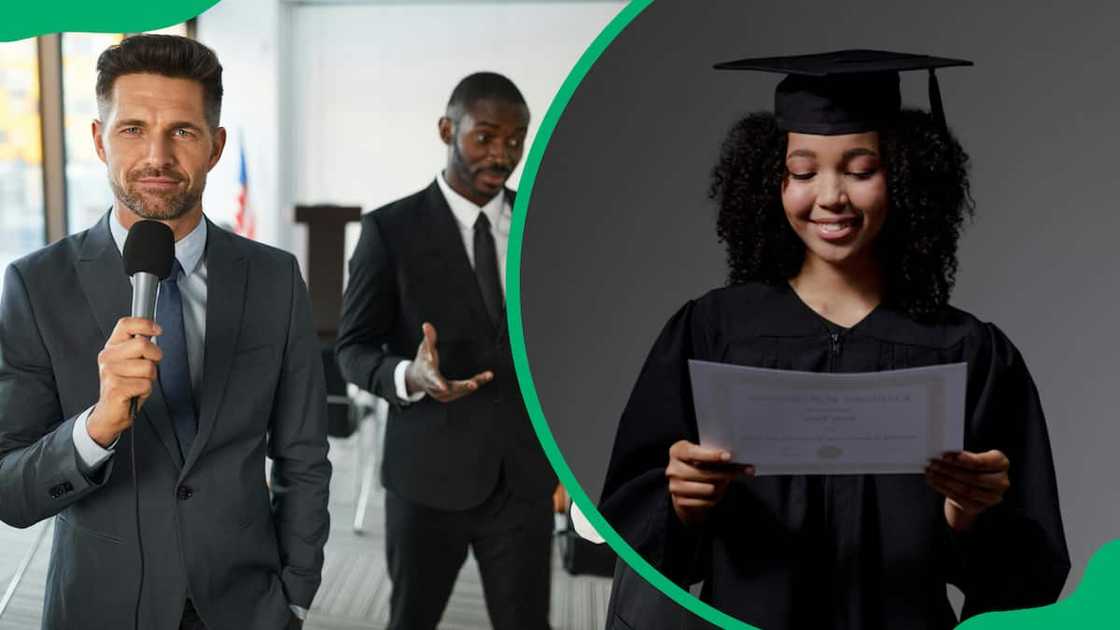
(698, 479)
(423, 373)
(126, 367)
(970, 482)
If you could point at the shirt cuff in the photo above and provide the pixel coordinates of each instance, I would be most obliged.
(402, 389)
(583, 526)
(299, 611)
(90, 454)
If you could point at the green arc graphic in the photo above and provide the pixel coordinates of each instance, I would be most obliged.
(517, 332)
(1093, 605)
(28, 19)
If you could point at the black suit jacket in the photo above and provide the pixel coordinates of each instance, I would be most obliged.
(410, 267)
(208, 523)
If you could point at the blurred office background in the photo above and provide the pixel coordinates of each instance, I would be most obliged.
(327, 104)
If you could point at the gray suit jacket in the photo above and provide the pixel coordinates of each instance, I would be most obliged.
(209, 525)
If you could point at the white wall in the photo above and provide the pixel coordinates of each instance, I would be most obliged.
(337, 103)
(376, 78)
(245, 35)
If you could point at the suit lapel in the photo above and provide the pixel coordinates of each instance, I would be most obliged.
(109, 294)
(447, 242)
(225, 302)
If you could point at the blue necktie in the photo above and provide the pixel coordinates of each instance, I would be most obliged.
(174, 368)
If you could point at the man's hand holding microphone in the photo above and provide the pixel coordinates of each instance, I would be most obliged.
(127, 365)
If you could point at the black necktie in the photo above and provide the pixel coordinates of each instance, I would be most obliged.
(486, 269)
(174, 368)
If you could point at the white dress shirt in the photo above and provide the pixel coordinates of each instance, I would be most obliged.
(500, 215)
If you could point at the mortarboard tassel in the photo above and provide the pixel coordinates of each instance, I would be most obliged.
(935, 106)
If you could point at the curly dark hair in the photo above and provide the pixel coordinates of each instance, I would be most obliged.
(927, 184)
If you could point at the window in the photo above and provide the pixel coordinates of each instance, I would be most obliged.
(182, 29)
(22, 216)
(87, 188)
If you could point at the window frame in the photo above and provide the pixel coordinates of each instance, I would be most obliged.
(52, 132)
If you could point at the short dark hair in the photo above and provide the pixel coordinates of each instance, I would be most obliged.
(479, 86)
(167, 55)
(927, 182)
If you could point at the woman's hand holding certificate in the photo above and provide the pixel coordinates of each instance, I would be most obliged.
(698, 478)
(970, 482)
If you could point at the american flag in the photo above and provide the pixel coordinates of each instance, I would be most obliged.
(243, 219)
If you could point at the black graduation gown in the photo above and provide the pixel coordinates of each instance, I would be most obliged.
(853, 552)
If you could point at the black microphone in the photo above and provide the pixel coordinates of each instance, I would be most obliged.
(149, 252)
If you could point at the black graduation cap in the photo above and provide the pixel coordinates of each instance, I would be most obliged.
(845, 91)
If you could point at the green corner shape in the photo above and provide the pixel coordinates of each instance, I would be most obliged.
(28, 18)
(1095, 604)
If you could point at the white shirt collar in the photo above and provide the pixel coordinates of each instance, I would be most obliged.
(465, 211)
(188, 250)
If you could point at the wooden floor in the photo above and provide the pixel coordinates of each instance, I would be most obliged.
(355, 590)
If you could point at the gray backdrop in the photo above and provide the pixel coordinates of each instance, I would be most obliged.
(620, 232)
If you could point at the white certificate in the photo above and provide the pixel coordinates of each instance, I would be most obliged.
(809, 423)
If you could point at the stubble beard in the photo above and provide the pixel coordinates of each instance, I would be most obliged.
(469, 174)
(158, 207)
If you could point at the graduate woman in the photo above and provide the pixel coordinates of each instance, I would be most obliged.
(841, 213)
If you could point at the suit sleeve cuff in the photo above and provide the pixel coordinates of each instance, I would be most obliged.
(90, 454)
(299, 611)
(399, 384)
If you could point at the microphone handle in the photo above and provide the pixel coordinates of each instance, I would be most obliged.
(144, 286)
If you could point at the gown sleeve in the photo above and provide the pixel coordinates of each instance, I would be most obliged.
(635, 499)
(1015, 555)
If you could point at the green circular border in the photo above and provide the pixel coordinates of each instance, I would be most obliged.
(1086, 607)
(517, 332)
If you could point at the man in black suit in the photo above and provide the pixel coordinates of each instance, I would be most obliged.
(462, 467)
(235, 374)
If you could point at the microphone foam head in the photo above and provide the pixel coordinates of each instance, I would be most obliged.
(149, 248)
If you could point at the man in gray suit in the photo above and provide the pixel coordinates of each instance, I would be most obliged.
(235, 374)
